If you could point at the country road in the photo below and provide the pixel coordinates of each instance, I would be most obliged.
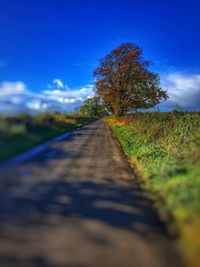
(77, 204)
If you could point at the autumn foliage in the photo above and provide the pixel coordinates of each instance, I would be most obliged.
(124, 82)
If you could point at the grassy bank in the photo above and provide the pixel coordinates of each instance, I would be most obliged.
(164, 150)
(24, 131)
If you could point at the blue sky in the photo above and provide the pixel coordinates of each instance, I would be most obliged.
(49, 48)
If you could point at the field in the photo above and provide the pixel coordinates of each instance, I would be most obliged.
(164, 151)
(24, 131)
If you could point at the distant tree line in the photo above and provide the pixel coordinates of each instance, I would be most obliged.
(93, 107)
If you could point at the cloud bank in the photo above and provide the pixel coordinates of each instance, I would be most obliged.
(15, 97)
(183, 90)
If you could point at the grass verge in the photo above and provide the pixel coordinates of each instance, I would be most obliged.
(164, 151)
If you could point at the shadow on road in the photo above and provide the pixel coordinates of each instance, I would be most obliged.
(52, 205)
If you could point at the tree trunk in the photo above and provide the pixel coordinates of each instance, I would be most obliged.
(118, 112)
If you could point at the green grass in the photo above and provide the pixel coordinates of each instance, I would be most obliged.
(164, 150)
(24, 131)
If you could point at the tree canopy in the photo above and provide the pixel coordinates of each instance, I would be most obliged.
(124, 82)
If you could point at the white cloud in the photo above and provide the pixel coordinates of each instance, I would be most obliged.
(58, 83)
(7, 88)
(34, 104)
(52, 92)
(69, 96)
(66, 100)
(183, 89)
(15, 97)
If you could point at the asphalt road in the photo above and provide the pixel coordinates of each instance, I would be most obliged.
(77, 204)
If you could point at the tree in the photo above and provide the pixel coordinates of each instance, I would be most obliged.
(93, 108)
(124, 83)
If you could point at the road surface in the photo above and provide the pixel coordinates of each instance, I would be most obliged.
(77, 204)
